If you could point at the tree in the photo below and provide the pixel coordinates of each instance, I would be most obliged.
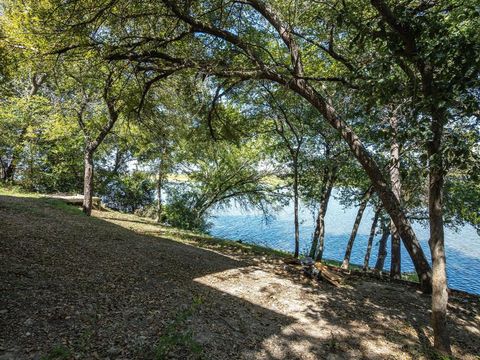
(289, 125)
(370, 237)
(382, 246)
(361, 209)
(92, 137)
(220, 174)
(328, 178)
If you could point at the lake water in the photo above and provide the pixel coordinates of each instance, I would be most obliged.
(463, 246)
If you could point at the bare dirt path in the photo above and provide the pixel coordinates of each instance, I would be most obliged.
(114, 286)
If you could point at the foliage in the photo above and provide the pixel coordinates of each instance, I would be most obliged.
(128, 193)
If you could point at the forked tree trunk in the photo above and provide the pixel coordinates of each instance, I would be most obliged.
(356, 224)
(318, 241)
(382, 248)
(370, 238)
(88, 182)
(92, 145)
(295, 208)
(395, 265)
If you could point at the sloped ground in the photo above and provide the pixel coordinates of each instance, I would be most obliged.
(114, 286)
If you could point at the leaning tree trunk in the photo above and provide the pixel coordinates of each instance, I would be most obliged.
(88, 182)
(300, 85)
(437, 238)
(370, 238)
(316, 251)
(382, 248)
(386, 195)
(395, 265)
(295, 208)
(356, 224)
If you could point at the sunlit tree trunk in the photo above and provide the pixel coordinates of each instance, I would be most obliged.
(437, 237)
(88, 181)
(395, 266)
(356, 224)
(370, 238)
(295, 206)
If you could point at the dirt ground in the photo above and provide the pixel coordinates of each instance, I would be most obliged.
(119, 287)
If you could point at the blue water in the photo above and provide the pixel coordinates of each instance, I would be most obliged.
(462, 247)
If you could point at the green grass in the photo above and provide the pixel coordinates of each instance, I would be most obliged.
(15, 190)
(205, 240)
(59, 352)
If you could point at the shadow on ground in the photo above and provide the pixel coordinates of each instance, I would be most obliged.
(73, 286)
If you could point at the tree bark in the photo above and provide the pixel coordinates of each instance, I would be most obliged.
(437, 237)
(395, 265)
(370, 238)
(382, 248)
(356, 224)
(92, 145)
(318, 241)
(9, 171)
(396, 258)
(88, 181)
(295, 207)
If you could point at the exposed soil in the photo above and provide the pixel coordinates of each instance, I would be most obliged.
(120, 287)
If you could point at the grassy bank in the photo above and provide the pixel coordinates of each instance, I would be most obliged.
(117, 285)
(194, 238)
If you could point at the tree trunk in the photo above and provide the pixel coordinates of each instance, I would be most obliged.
(395, 265)
(437, 248)
(295, 208)
(396, 258)
(370, 238)
(159, 194)
(386, 195)
(356, 224)
(88, 182)
(316, 250)
(382, 248)
(437, 238)
(9, 171)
